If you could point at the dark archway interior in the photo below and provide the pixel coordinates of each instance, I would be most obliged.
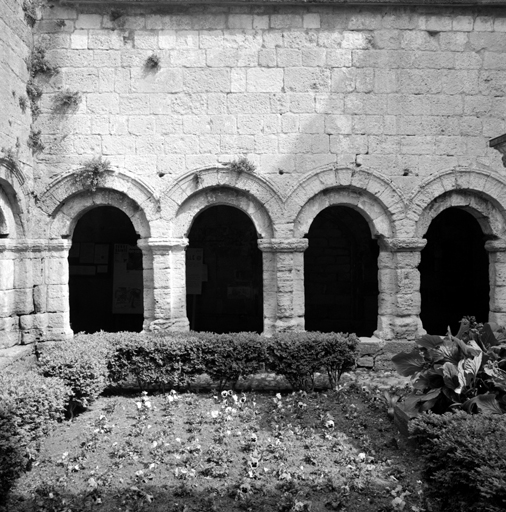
(224, 273)
(341, 273)
(453, 272)
(105, 267)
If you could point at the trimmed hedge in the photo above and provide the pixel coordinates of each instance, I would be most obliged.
(81, 363)
(226, 357)
(159, 360)
(299, 356)
(465, 460)
(165, 360)
(30, 406)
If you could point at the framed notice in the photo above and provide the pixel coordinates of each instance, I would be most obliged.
(127, 280)
(194, 271)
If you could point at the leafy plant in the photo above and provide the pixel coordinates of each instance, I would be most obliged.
(226, 357)
(117, 17)
(34, 93)
(160, 360)
(23, 103)
(66, 101)
(30, 405)
(81, 364)
(90, 174)
(152, 63)
(30, 9)
(35, 141)
(38, 64)
(337, 353)
(465, 371)
(10, 155)
(242, 165)
(464, 460)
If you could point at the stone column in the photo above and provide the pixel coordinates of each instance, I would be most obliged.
(497, 277)
(164, 269)
(34, 303)
(399, 301)
(10, 334)
(283, 276)
(52, 295)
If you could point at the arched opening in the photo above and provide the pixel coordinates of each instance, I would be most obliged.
(454, 279)
(341, 273)
(224, 272)
(105, 273)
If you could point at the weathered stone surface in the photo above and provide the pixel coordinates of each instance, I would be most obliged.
(404, 101)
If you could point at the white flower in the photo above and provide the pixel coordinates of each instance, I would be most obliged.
(278, 396)
(329, 424)
(215, 414)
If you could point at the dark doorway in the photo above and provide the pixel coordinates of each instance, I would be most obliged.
(454, 272)
(105, 273)
(341, 273)
(224, 273)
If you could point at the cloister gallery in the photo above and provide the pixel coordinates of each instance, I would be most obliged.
(251, 166)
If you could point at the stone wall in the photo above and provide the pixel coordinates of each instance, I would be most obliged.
(385, 109)
(15, 166)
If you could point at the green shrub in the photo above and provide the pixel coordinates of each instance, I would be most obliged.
(465, 460)
(81, 363)
(163, 360)
(30, 405)
(466, 371)
(299, 355)
(226, 357)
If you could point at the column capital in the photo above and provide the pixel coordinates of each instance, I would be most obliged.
(283, 244)
(402, 244)
(495, 245)
(162, 244)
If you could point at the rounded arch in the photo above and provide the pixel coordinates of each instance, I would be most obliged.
(12, 199)
(378, 219)
(477, 192)
(197, 190)
(223, 196)
(370, 193)
(67, 201)
(68, 215)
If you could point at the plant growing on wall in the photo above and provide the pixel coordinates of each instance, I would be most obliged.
(117, 17)
(23, 103)
(152, 64)
(38, 64)
(90, 174)
(66, 101)
(34, 92)
(242, 165)
(31, 11)
(35, 141)
(10, 155)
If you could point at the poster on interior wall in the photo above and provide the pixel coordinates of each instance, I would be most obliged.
(127, 280)
(194, 271)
